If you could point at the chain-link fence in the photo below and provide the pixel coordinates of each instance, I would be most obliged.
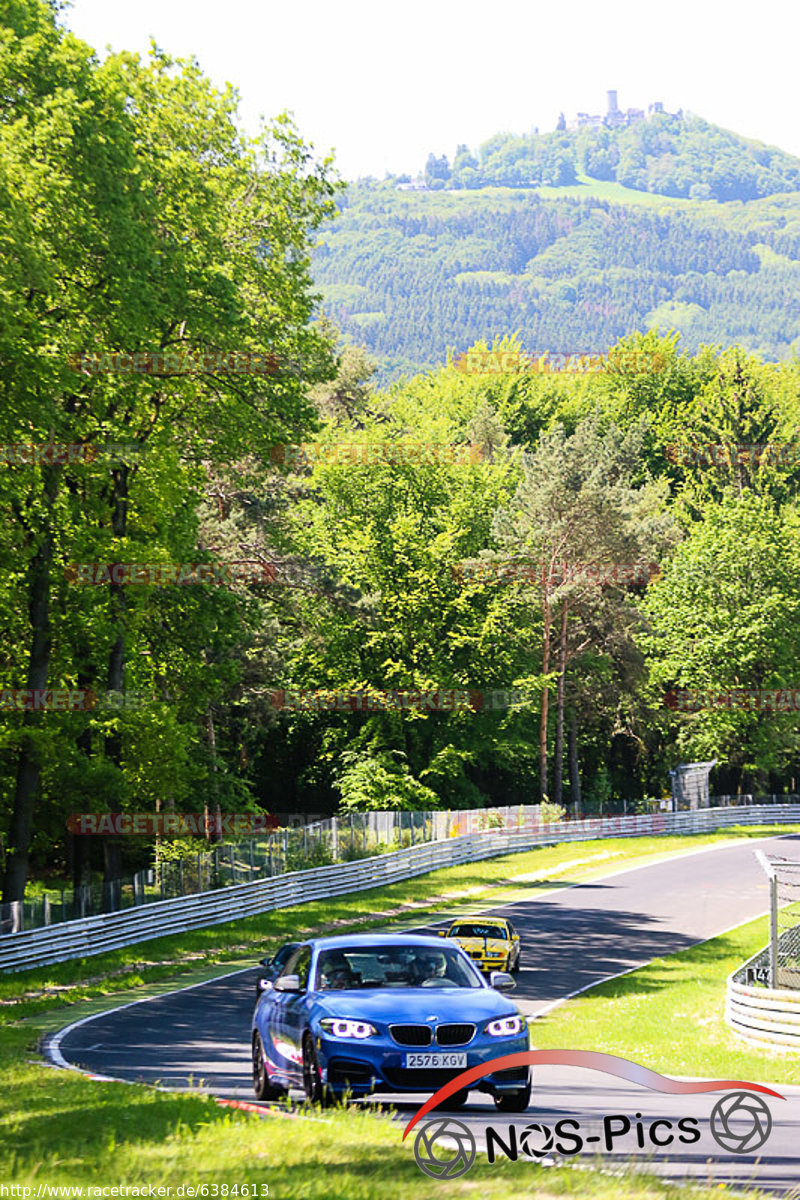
(291, 848)
(784, 920)
(344, 838)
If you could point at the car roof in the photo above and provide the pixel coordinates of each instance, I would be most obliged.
(479, 921)
(500, 922)
(355, 941)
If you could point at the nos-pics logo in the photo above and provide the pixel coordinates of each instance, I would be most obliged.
(445, 1148)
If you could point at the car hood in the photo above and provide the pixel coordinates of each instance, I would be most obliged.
(416, 1005)
(497, 943)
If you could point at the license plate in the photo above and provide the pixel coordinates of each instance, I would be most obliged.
(421, 1060)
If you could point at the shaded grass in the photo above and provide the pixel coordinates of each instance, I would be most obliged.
(669, 1015)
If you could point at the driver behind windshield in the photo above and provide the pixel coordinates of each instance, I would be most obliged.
(429, 966)
(335, 973)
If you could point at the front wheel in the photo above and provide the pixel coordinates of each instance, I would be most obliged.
(514, 1102)
(315, 1090)
(457, 1100)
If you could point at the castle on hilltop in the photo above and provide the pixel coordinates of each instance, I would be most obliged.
(615, 117)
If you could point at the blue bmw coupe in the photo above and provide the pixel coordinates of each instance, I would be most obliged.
(385, 1013)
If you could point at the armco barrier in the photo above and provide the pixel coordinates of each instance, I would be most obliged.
(94, 935)
(762, 1016)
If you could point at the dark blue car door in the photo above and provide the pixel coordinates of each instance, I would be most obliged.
(293, 1010)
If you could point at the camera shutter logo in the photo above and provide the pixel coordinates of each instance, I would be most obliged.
(444, 1148)
(536, 1140)
(740, 1123)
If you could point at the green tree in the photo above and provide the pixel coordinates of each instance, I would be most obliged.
(577, 512)
(147, 223)
(722, 617)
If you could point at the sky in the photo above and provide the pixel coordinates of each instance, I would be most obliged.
(383, 84)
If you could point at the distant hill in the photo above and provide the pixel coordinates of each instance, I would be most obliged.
(413, 274)
(665, 154)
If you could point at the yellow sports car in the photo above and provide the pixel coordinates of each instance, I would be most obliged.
(492, 943)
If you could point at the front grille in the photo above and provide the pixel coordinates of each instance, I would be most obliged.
(513, 1075)
(420, 1081)
(454, 1035)
(342, 1070)
(411, 1035)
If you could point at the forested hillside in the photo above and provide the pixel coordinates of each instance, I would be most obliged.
(413, 275)
(669, 154)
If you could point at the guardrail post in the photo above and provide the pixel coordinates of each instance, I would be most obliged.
(773, 931)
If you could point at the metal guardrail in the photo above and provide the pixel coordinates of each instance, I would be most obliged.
(110, 931)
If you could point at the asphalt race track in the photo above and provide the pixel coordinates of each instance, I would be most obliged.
(571, 939)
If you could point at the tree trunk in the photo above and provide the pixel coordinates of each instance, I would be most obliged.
(81, 842)
(29, 763)
(112, 851)
(574, 770)
(558, 765)
(545, 691)
(216, 836)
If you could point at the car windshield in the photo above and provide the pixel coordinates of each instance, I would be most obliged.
(394, 967)
(478, 931)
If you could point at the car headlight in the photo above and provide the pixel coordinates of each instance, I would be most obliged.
(343, 1028)
(506, 1026)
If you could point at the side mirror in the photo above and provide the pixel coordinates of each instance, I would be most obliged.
(442, 932)
(501, 981)
(263, 985)
(291, 983)
(266, 962)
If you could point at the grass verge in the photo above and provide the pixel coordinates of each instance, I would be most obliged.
(669, 1016)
